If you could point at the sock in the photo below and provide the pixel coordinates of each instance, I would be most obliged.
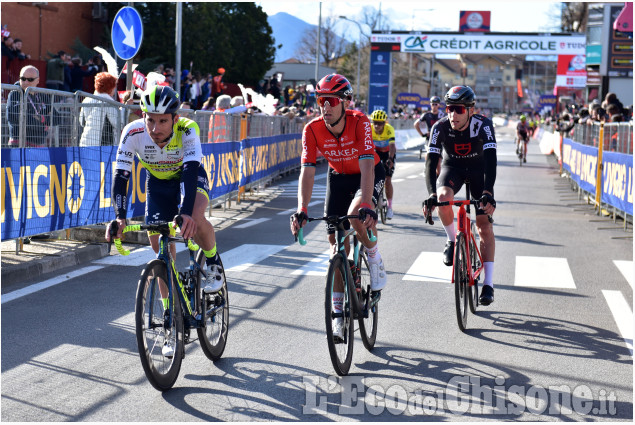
(166, 305)
(373, 254)
(451, 232)
(338, 301)
(211, 256)
(390, 203)
(489, 273)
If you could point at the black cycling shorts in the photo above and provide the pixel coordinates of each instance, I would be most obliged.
(454, 177)
(384, 158)
(341, 189)
(163, 197)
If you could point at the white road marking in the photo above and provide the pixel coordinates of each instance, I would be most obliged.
(397, 180)
(292, 210)
(429, 267)
(136, 258)
(622, 314)
(626, 268)
(318, 266)
(543, 272)
(245, 256)
(251, 222)
(48, 283)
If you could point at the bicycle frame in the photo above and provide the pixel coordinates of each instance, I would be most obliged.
(464, 226)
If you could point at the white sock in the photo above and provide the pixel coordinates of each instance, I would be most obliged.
(373, 254)
(338, 301)
(451, 232)
(489, 273)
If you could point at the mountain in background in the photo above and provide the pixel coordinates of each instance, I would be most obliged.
(288, 31)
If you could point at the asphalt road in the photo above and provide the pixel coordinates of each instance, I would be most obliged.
(555, 345)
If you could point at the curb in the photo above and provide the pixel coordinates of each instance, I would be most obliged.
(21, 273)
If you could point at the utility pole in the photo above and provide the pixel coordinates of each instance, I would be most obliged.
(317, 47)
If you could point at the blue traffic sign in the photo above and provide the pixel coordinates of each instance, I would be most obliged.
(127, 32)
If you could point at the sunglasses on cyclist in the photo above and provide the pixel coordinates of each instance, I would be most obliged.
(458, 109)
(28, 79)
(331, 101)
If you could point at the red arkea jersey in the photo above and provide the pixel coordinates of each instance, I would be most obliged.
(342, 153)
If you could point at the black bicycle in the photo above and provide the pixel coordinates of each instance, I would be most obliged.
(170, 303)
(352, 277)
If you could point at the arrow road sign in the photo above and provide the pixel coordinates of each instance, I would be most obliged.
(127, 32)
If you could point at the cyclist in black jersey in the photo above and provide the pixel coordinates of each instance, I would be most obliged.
(467, 144)
(424, 124)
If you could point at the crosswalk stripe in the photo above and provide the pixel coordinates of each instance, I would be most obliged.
(136, 258)
(429, 267)
(622, 314)
(292, 210)
(48, 283)
(246, 255)
(397, 180)
(251, 222)
(318, 266)
(626, 268)
(543, 272)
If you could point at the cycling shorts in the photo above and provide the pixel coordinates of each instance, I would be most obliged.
(341, 189)
(383, 157)
(454, 177)
(163, 197)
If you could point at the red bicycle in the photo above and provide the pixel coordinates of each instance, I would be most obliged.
(468, 262)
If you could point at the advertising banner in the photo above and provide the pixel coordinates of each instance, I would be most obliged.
(408, 99)
(620, 53)
(492, 44)
(581, 163)
(474, 21)
(263, 156)
(222, 163)
(617, 180)
(571, 71)
(379, 84)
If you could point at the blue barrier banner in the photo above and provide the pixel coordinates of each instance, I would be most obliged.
(379, 85)
(266, 156)
(617, 180)
(581, 162)
(222, 163)
(48, 189)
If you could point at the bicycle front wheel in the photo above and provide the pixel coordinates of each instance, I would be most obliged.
(369, 315)
(340, 347)
(154, 329)
(473, 290)
(461, 281)
(215, 311)
(382, 207)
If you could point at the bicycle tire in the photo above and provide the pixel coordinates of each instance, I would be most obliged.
(213, 336)
(341, 353)
(161, 371)
(473, 290)
(382, 211)
(461, 281)
(369, 323)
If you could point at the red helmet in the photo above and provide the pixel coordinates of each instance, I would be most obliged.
(334, 85)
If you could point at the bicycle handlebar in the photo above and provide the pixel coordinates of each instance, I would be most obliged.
(159, 227)
(474, 202)
(335, 220)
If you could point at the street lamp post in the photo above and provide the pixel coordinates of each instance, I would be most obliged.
(359, 59)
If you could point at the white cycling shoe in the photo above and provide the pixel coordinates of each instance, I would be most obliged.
(378, 278)
(168, 347)
(214, 281)
(338, 331)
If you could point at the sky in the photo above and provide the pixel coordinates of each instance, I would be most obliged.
(506, 16)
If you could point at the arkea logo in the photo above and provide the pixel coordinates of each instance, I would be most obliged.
(416, 42)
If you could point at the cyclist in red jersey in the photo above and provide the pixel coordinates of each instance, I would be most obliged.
(355, 175)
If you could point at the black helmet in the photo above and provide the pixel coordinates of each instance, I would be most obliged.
(460, 95)
(160, 100)
(435, 99)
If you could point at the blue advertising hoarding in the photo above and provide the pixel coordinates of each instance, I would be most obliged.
(379, 81)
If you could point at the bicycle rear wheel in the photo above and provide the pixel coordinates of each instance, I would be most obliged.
(215, 307)
(340, 350)
(383, 207)
(461, 281)
(152, 330)
(367, 325)
(474, 261)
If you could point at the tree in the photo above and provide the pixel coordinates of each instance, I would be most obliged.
(232, 35)
(331, 45)
(574, 17)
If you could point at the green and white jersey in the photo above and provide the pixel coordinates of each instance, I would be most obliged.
(163, 163)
